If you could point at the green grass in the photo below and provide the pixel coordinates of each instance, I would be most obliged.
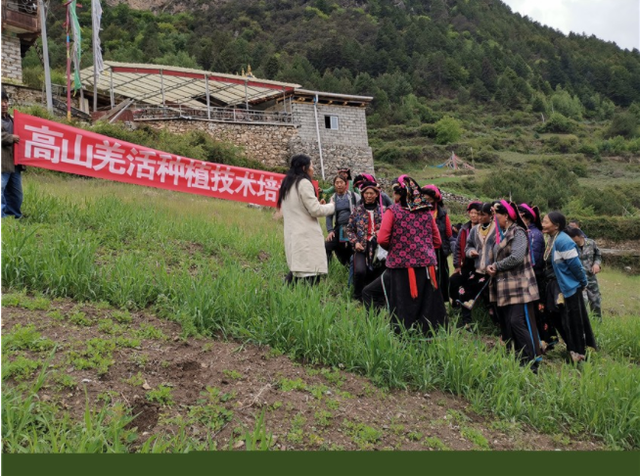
(201, 262)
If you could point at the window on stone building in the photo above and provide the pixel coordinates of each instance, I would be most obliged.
(331, 122)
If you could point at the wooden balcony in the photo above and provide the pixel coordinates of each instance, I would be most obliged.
(20, 16)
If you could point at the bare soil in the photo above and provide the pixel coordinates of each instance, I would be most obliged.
(305, 407)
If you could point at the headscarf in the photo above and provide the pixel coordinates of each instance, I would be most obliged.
(415, 196)
(433, 192)
(532, 214)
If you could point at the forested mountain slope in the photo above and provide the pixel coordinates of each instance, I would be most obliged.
(508, 84)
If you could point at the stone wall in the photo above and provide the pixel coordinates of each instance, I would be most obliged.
(348, 146)
(22, 95)
(11, 60)
(273, 145)
(334, 157)
(352, 124)
(268, 144)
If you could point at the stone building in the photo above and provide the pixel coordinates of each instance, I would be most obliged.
(20, 29)
(270, 120)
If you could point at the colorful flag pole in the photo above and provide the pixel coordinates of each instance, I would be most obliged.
(77, 44)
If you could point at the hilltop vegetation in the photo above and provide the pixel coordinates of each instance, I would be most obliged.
(457, 75)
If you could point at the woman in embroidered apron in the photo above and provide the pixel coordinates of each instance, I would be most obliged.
(408, 287)
(514, 287)
(362, 231)
(565, 279)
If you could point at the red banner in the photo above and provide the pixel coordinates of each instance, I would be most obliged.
(55, 146)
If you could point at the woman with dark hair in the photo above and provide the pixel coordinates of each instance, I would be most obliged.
(514, 287)
(444, 227)
(362, 231)
(345, 202)
(564, 280)
(531, 218)
(303, 240)
(462, 283)
(408, 287)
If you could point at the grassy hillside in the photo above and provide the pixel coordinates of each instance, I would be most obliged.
(216, 268)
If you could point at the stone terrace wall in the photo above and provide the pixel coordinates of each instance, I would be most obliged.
(266, 143)
(22, 95)
(273, 145)
(11, 60)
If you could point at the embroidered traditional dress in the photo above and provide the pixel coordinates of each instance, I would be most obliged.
(408, 287)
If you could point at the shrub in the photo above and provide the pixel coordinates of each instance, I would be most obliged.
(611, 228)
(563, 145)
(448, 130)
(557, 123)
(589, 150)
(615, 146)
(624, 124)
(610, 201)
(549, 184)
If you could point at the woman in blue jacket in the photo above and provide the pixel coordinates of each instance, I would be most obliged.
(565, 280)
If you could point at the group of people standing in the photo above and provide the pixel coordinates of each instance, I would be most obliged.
(397, 250)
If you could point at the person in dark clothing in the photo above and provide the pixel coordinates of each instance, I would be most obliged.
(513, 285)
(444, 227)
(337, 241)
(11, 174)
(564, 281)
(464, 267)
(408, 287)
(532, 219)
(479, 254)
(362, 231)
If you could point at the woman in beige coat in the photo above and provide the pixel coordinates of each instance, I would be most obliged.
(303, 238)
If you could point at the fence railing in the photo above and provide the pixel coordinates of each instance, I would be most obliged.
(142, 112)
(30, 7)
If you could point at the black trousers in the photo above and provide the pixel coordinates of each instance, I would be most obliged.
(362, 274)
(392, 291)
(343, 250)
(519, 330)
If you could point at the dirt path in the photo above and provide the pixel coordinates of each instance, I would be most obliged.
(217, 389)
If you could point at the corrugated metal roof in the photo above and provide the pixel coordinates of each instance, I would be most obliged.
(149, 83)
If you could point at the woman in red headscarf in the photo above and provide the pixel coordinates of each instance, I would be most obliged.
(514, 287)
(408, 287)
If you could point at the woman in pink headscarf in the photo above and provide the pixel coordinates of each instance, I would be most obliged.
(514, 288)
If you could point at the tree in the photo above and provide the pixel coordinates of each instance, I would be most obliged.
(448, 130)
(624, 124)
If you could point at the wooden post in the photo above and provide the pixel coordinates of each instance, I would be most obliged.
(45, 53)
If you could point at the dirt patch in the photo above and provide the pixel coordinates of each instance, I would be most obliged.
(217, 390)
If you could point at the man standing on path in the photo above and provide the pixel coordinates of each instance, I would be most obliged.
(11, 173)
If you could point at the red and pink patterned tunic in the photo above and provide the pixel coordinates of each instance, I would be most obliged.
(410, 238)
